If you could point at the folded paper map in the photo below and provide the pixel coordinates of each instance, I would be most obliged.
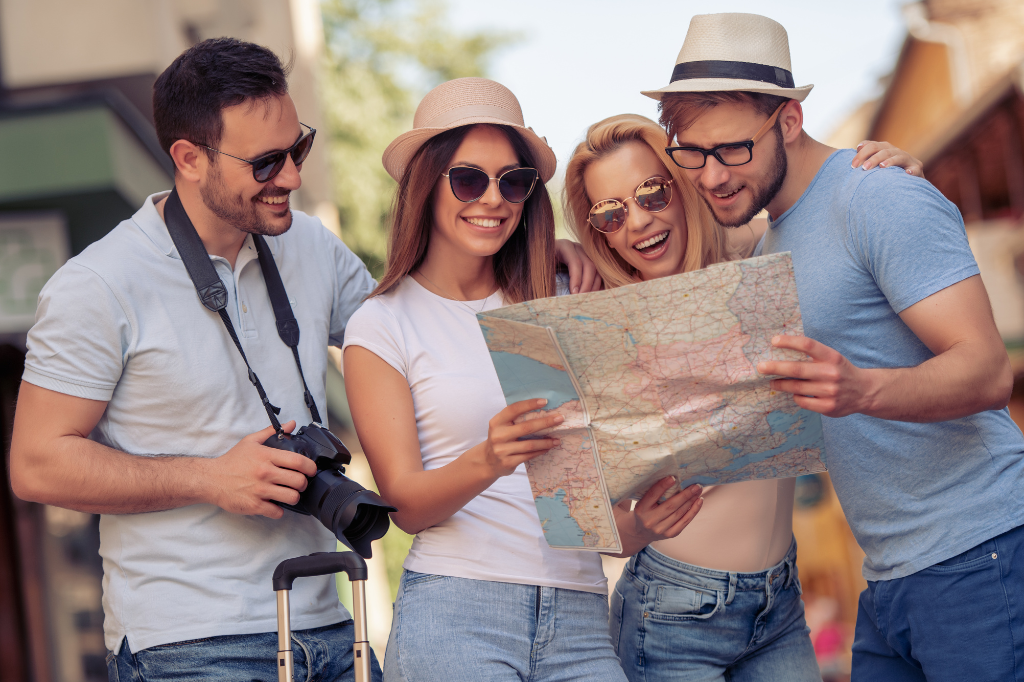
(655, 379)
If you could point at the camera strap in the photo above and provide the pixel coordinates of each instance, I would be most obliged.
(214, 295)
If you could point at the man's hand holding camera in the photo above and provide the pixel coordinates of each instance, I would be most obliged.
(54, 463)
(250, 477)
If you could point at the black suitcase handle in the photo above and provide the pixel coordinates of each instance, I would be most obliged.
(322, 563)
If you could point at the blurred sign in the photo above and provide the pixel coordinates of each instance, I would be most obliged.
(32, 247)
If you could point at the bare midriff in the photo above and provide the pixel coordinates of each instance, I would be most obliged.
(742, 527)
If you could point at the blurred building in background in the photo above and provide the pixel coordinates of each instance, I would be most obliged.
(956, 100)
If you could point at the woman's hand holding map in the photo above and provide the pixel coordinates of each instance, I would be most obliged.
(502, 452)
(651, 520)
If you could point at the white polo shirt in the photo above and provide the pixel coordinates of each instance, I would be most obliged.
(121, 322)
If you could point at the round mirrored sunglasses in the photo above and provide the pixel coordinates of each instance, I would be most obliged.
(469, 184)
(652, 195)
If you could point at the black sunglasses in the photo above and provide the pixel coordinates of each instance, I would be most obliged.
(469, 184)
(266, 167)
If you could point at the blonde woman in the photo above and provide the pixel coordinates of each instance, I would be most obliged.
(720, 600)
(482, 596)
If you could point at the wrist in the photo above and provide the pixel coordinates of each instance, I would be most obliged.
(201, 474)
(874, 383)
(483, 468)
(630, 546)
(626, 523)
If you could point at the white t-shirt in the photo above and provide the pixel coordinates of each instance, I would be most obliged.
(437, 345)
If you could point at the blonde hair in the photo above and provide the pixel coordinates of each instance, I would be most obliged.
(705, 240)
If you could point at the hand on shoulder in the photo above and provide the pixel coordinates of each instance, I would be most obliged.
(883, 155)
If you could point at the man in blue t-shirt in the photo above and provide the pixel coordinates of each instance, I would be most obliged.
(905, 364)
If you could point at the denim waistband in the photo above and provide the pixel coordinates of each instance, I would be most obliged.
(779, 576)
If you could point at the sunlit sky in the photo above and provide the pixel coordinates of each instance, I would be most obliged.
(579, 62)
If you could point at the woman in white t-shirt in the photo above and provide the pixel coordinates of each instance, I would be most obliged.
(482, 596)
(721, 600)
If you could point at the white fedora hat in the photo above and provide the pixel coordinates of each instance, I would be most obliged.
(463, 102)
(727, 52)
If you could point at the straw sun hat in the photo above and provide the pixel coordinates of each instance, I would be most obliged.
(723, 52)
(461, 102)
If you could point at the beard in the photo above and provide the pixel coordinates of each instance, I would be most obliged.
(763, 192)
(237, 211)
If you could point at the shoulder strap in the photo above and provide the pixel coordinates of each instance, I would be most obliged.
(287, 326)
(211, 290)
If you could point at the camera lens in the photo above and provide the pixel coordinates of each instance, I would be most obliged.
(355, 515)
(362, 523)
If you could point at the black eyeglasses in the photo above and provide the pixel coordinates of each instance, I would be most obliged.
(469, 184)
(729, 154)
(266, 167)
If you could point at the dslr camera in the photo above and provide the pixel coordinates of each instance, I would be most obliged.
(355, 515)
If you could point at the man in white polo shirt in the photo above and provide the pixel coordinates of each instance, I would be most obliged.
(122, 349)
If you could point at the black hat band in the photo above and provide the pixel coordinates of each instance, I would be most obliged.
(733, 70)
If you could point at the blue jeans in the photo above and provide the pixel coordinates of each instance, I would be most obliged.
(322, 654)
(459, 630)
(676, 621)
(961, 619)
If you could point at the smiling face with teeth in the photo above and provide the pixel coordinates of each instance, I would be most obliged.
(228, 188)
(653, 243)
(478, 229)
(735, 194)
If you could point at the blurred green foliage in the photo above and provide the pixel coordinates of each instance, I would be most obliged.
(397, 544)
(382, 57)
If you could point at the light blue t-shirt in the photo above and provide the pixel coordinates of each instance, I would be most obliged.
(866, 246)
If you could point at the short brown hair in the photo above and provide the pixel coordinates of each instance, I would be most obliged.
(191, 93)
(524, 266)
(679, 110)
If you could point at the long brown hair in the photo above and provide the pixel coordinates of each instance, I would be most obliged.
(705, 242)
(524, 267)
